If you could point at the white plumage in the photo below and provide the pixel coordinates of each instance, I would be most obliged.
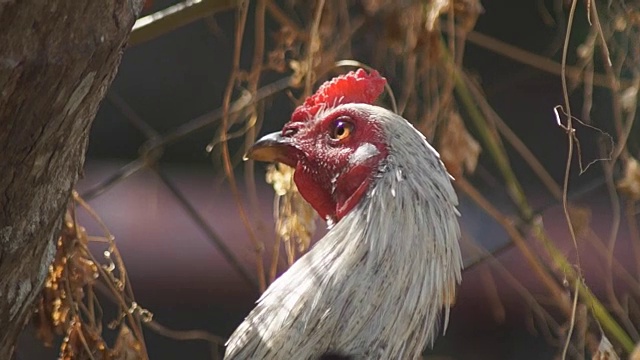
(374, 285)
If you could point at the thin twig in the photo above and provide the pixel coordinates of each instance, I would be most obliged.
(614, 199)
(113, 289)
(236, 107)
(283, 19)
(226, 157)
(532, 59)
(493, 146)
(174, 17)
(621, 271)
(131, 115)
(185, 335)
(204, 226)
(254, 80)
(565, 187)
(572, 322)
(493, 261)
(514, 140)
(634, 233)
(532, 259)
(600, 313)
(115, 178)
(275, 256)
(313, 47)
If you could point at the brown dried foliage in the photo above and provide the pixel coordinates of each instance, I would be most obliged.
(458, 149)
(419, 45)
(629, 185)
(295, 218)
(68, 306)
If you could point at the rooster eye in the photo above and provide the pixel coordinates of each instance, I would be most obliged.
(341, 130)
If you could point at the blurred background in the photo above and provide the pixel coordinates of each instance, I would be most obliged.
(155, 171)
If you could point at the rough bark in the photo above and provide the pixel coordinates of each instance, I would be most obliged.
(57, 59)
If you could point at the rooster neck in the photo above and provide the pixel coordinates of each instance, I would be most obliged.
(389, 266)
(377, 282)
(402, 217)
(374, 285)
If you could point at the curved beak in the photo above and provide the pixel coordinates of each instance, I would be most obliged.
(273, 148)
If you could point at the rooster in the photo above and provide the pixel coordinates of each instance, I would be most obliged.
(373, 287)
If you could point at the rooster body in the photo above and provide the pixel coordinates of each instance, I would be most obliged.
(374, 285)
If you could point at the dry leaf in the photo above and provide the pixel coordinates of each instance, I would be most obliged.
(285, 41)
(629, 185)
(64, 309)
(295, 218)
(127, 347)
(81, 338)
(70, 271)
(605, 351)
(458, 149)
(580, 219)
(629, 99)
(434, 9)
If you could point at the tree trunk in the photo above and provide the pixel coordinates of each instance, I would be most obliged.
(57, 59)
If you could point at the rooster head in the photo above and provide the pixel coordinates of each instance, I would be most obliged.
(334, 141)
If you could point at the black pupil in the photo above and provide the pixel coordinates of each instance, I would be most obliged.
(340, 129)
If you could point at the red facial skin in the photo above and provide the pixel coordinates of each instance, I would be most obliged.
(326, 174)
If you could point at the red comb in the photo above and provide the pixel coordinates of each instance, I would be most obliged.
(353, 87)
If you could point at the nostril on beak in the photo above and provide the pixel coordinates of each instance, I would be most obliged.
(289, 131)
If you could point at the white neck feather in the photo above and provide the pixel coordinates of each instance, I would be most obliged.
(374, 286)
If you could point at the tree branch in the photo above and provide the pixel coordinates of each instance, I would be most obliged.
(57, 58)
